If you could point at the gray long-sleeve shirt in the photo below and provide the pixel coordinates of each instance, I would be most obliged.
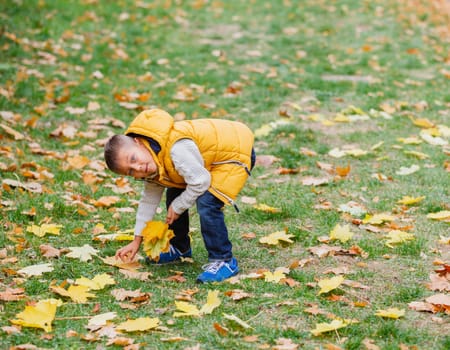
(189, 164)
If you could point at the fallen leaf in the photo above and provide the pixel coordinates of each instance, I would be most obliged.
(102, 319)
(266, 208)
(391, 313)
(40, 315)
(212, 302)
(83, 253)
(332, 326)
(276, 237)
(36, 270)
(237, 320)
(78, 294)
(40, 231)
(186, 309)
(341, 233)
(329, 284)
(96, 283)
(139, 324)
(398, 237)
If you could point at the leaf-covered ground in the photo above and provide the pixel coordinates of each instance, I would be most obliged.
(343, 232)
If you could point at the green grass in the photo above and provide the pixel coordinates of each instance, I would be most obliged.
(52, 50)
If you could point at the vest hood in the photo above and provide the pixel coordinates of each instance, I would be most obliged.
(161, 122)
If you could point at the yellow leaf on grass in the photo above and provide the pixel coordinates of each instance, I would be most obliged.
(40, 231)
(139, 324)
(83, 253)
(277, 275)
(418, 155)
(98, 282)
(391, 313)
(441, 215)
(156, 236)
(410, 140)
(378, 219)
(275, 238)
(186, 309)
(79, 294)
(407, 200)
(341, 233)
(332, 326)
(328, 284)
(40, 315)
(36, 270)
(266, 208)
(397, 237)
(212, 302)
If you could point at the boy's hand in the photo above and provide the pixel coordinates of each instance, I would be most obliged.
(128, 252)
(171, 216)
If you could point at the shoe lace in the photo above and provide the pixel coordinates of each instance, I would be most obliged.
(213, 267)
(172, 250)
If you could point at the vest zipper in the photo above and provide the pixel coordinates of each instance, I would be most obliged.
(230, 200)
(234, 162)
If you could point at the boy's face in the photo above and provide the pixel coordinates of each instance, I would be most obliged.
(136, 160)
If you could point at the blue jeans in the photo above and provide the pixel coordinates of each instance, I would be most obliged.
(212, 224)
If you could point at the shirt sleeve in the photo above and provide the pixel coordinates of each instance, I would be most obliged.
(189, 164)
(150, 199)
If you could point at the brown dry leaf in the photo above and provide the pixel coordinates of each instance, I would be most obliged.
(122, 294)
(78, 162)
(106, 201)
(438, 283)
(237, 294)
(343, 171)
(265, 160)
(126, 265)
(223, 331)
(17, 135)
(142, 276)
(315, 181)
(285, 344)
(12, 294)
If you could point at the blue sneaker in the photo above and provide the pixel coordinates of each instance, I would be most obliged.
(173, 255)
(217, 271)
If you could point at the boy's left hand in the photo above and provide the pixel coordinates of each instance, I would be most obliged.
(171, 216)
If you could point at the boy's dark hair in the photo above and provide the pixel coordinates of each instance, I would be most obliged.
(112, 147)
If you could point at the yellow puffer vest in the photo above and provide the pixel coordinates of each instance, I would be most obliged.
(225, 146)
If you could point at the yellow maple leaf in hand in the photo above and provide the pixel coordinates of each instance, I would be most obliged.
(40, 231)
(275, 238)
(186, 309)
(391, 313)
(397, 237)
(156, 237)
(341, 233)
(328, 284)
(98, 282)
(332, 326)
(79, 294)
(139, 324)
(40, 315)
(212, 301)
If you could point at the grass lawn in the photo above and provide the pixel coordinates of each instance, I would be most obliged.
(349, 101)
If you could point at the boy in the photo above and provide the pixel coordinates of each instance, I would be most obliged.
(204, 161)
